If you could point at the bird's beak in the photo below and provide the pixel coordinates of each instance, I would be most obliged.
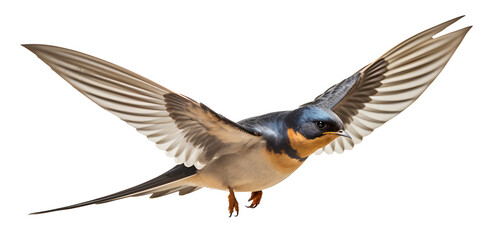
(341, 133)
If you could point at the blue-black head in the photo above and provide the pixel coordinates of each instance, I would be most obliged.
(314, 122)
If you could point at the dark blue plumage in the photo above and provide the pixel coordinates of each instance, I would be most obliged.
(310, 121)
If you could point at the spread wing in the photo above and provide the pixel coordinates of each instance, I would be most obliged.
(386, 87)
(187, 130)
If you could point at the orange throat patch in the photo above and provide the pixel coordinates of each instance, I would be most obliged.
(305, 147)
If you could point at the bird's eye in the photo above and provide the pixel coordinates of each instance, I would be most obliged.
(320, 124)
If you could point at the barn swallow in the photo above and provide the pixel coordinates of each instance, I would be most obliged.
(256, 153)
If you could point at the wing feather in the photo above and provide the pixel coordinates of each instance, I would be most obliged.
(386, 87)
(189, 131)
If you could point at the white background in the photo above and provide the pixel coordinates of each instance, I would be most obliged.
(427, 174)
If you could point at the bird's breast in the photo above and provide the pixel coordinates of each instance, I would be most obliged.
(282, 162)
(250, 171)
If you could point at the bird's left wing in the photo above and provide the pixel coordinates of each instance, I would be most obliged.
(384, 88)
(187, 130)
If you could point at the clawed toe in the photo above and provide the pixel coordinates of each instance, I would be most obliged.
(233, 204)
(255, 198)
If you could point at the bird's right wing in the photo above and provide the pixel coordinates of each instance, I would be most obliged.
(386, 87)
(189, 131)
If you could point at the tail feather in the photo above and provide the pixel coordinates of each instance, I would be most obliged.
(188, 190)
(182, 190)
(163, 183)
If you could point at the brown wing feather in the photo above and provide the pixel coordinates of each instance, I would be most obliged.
(187, 130)
(386, 87)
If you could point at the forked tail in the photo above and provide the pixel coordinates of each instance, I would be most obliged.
(169, 182)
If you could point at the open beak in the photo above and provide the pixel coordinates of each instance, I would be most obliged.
(341, 133)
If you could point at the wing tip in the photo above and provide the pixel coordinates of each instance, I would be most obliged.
(30, 47)
(466, 29)
(456, 18)
(440, 27)
(451, 21)
(463, 31)
(446, 24)
(34, 47)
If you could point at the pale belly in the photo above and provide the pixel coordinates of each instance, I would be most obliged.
(254, 171)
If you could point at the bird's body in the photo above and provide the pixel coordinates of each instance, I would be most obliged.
(250, 170)
(259, 152)
(263, 164)
(254, 170)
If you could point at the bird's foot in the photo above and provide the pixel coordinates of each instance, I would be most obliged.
(233, 204)
(255, 198)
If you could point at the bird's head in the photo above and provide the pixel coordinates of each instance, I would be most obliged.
(310, 128)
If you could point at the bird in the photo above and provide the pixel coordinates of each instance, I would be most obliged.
(256, 153)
